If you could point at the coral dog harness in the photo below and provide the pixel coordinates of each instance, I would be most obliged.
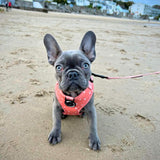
(74, 105)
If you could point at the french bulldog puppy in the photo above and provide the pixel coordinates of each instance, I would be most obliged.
(73, 76)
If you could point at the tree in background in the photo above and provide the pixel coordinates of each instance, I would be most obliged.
(157, 17)
(61, 1)
(124, 5)
(156, 6)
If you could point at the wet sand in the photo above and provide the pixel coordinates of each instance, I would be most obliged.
(128, 111)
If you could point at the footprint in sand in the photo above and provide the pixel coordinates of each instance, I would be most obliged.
(137, 64)
(112, 70)
(43, 93)
(117, 41)
(110, 110)
(125, 59)
(20, 99)
(115, 148)
(31, 66)
(19, 51)
(123, 144)
(143, 122)
(27, 35)
(34, 82)
(123, 51)
(17, 62)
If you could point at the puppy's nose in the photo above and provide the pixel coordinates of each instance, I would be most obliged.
(73, 75)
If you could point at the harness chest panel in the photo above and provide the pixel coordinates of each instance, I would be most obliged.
(78, 102)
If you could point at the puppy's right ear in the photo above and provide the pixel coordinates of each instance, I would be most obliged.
(88, 45)
(52, 47)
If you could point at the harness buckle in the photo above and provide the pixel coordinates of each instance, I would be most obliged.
(70, 101)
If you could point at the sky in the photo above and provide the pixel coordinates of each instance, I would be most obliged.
(148, 2)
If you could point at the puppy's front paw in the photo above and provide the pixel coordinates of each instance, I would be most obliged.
(94, 143)
(54, 137)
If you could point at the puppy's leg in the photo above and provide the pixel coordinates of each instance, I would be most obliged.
(55, 135)
(94, 142)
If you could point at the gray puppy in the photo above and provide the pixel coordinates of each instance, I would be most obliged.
(73, 75)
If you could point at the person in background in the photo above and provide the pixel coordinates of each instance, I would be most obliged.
(10, 5)
(6, 6)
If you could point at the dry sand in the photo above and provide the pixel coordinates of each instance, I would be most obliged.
(128, 110)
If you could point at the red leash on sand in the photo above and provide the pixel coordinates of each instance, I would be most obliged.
(127, 77)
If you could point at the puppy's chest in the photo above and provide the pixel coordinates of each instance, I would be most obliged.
(74, 105)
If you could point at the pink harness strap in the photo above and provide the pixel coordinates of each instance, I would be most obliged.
(80, 101)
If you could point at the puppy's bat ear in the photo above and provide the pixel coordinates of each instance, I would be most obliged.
(52, 47)
(88, 45)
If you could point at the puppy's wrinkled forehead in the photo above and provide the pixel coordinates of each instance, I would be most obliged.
(72, 58)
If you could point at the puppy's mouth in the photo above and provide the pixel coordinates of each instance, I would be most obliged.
(73, 89)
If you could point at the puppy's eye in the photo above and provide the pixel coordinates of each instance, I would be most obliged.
(58, 68)
(85, 65)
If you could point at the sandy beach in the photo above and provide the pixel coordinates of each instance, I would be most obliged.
(128, 111)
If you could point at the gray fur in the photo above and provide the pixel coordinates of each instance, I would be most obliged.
(73, 73)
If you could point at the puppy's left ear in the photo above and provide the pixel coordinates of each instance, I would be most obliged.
(88, 45)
